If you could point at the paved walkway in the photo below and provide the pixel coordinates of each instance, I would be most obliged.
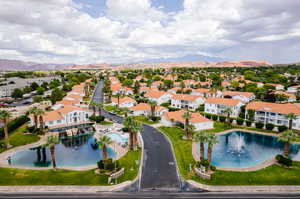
(245, 189)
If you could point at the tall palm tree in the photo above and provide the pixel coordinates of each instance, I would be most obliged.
(34, 112)
(51, 142)
(291, 117)
(211, 141)
(5, 116)
(40, 112)
(201, 137)
(103, 143)
(93, 104)
(153, 105)
(187, 116)
(100, 106)
(288, 137)
(133, 128)
(228, 112)
(118, 99)
(126, 111)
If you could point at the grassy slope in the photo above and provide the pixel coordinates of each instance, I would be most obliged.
(66, 177)
(273, 175)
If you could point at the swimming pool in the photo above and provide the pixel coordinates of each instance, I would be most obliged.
(72, 152)
(117, 137)
(240, 149)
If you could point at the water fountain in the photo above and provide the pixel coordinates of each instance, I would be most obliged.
(237, 144)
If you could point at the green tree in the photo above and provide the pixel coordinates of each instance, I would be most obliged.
(288, 137)
(201, 137)
(153, 105)
(34, 111)
(17, 93)
(104, 142)
(187, 116)
(40, 90)
(5, 116)
(228, 112)
(34, 86)
(51, 142)
(211, 141)
(291, 117)
(56, 95)
(134, 128)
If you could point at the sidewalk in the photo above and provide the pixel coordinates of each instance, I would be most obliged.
(245, 188)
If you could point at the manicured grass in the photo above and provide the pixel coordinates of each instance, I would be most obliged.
(106, 123)
(219, 127)
(19, 138)
(272, 175)
(66, 177)
(114, 109)
(144, 119)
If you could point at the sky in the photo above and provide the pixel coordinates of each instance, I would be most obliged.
(127, 31)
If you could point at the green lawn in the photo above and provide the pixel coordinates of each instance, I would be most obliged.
(273, 175)
(66, 177)
(219, 127)
(106, 123)
(144, 119)
(114, 109)
(19, 138)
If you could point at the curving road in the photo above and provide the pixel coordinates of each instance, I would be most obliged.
(159, 170)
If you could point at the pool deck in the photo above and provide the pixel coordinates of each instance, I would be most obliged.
(121, 151)
(262, 165)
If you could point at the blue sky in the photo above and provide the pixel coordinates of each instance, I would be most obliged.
(130, 31)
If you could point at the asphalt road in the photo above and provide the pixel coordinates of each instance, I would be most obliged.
(158, 195)
(159, 167)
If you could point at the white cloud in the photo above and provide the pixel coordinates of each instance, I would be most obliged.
(134, 30)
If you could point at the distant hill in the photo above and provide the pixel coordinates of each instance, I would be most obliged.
(16, 65)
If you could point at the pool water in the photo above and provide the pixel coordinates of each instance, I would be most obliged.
(70, 152)
(241, 149)
(117, 137)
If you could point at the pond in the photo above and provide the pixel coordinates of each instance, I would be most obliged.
(240, 149)
(71, 152)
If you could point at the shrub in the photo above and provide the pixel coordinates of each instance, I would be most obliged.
(208, 116)
(239, 121)
(203, 163)
(231, 120)
(125, 129)
(171, 109)
(154, 119)
(222, 118)
(282, 128)
(100, 164)
(180, 125)
(14, 124)
(213, 168)
(214, 117)
(259, 125)
(283, 160)
(269, 126)
(98, 118)
(30, 129)
(248, 123)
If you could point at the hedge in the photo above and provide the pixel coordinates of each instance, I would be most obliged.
(222, 118)
(282, 128)
(215, 117)
(259, 125)
(14, 124)
(270, 126)
(240, 121)
(248, 123)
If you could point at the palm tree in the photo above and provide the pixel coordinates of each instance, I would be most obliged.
(51, 142)
(201, 137)
(153, 105)
(40, 112)
(187, 116)
(228, 112)
(5, 116)
(103, 142)
(288, 137)
(291, 117)
(33, 111)
(126, 111)
(93, 104)
(211, 141)
(99, 105)
(118, 99)
(133, 128)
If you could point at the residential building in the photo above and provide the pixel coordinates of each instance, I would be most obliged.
(219, 105)
(124, 102)
(290, 97)
(158, 96)
(273, 113)
(204, 92)
(245, 97)
(145, 109)
(197, 120)
(191, 102)
(119, 89)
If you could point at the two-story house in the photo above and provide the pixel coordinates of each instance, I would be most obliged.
(220, 105)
